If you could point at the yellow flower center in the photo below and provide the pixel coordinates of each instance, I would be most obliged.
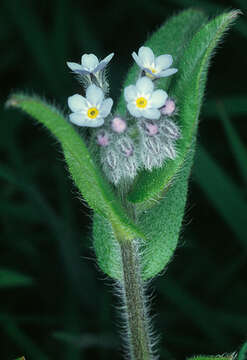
(153, 70)
(92, 113)
(141, 102)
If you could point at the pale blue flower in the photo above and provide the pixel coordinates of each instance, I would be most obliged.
(90, 64)
(90, 110)
(143, 101)
(154, 67)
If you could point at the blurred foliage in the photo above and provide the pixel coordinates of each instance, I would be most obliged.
(66, 311)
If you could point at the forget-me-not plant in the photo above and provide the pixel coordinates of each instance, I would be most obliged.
(133, 163)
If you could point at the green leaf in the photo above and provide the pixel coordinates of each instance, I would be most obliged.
(21, 358)
(86, 175)
(163, 231)
(188, 90)
(10, 278)
(242, 355)
(106, 248)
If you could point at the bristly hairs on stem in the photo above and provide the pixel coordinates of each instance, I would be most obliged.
(140, 341)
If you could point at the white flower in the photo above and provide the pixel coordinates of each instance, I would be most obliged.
(154, 67)
(89, 64)
(143, 101)
(89, 111)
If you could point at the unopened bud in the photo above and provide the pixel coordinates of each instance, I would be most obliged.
(152, 129)
(169, 107)
(118, 125)
(103, 139)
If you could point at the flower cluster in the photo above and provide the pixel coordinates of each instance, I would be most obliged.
(146, 134)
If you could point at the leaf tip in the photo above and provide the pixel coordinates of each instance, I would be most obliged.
(14, 100)
(11, 102)
(235, 13)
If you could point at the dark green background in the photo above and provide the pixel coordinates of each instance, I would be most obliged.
(69, 312)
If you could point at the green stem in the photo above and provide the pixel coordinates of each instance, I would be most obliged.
(134, 302)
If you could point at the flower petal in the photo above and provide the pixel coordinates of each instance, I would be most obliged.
(134, 111)
(74, 66)
(163, 62)
(100, 67)
(146, 55)
(152, 114)
(158, 98)
(144, 85)
(105, 108)
(168, 72)
(130, 93)
(89, 62)
(137, 59)
(82, 120)
(77, 103)
(103, 63)
(94, 95)
(108, 58)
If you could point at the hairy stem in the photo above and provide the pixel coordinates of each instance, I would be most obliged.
(136, 312)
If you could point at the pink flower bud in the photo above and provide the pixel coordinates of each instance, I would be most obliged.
(168, 108)
(103, 139)
(118, 125)
(151, 128)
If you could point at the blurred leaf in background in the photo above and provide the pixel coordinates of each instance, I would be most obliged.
(10, 278)
(46, 231)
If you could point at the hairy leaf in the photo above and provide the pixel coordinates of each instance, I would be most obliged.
(106, 248)
(242, 355)
(86, 175)
(188, 90)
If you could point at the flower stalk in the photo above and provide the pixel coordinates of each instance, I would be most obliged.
(138, 328)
